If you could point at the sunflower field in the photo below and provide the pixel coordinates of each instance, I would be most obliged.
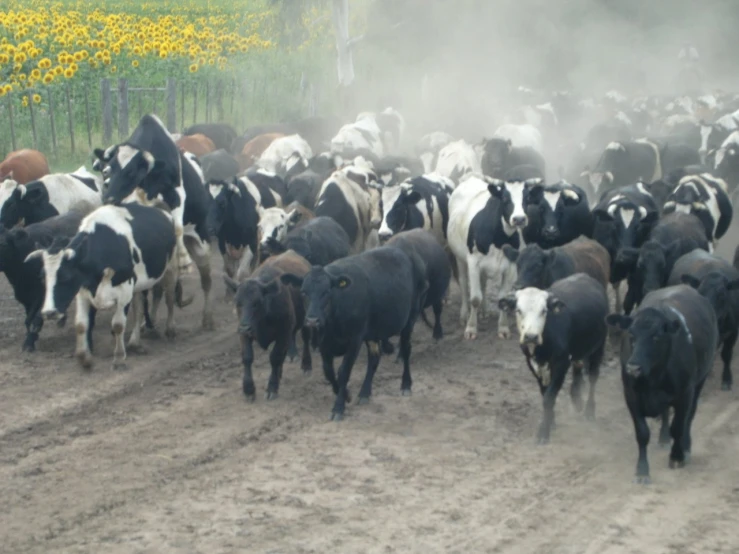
(58, 52)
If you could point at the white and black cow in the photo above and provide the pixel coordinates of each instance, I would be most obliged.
(117, 253)
(363, 133)
(558, 214)
(706, 197)
(285, 156)
(499, 156)
(429, 146)
(714, 134)
(562, 325)
(391, 125)
(725, 162)
(51, 195)
(484, 215)
(419, 203)
(623, 218)
(346, 202)
(149, 166)
(456, 160)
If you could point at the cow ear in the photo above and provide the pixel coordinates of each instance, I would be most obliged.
(495, 187)
(619, 321)
(650, 219)
(570, 197)
(507, 304)
(99, 154)
(510, 253)
(602, 215)
(554, 304)
(69, 254)
(20, 191)
(294, 216)
(672, 326)
(536, 193)
(272, 287)
(36, 254)
(341, 282)
(291, 279)
(231, 284)
(533, 182)
(691, 280)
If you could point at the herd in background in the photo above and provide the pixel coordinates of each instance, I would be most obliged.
(343, 233)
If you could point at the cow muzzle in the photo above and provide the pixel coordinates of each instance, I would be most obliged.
(384, 236)
(246, 329)
(519, 221)
(530, 339)
(312, 322)
(550, 232)
(634, 370)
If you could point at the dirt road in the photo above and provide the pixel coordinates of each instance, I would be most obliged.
(168, 457)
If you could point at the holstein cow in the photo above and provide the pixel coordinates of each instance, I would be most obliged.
(438, 271)
(363, 133)
(419, 203)
(484, 215)
(726, 161)
(536, 267)
(271, 312)
(499, 156)
(221, 134)
(365, 298)
(665, 359)
(233, 219)
(706, 197)
(149, 166)
(24, 166)
(320, 241)
(558, 326)
(713, 134)
(391, 125)
(271, 186)
(26, 278)
(52, 195)
(456, 160)
(286, 156)
(559, 213)
(198, 144)
(717, 280)
(429, 146)
(623, 218)
(117, 253)
(345, 201)
(674, 235)
(252, 150)
(624, 163)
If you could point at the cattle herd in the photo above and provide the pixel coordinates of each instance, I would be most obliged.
(345, 234)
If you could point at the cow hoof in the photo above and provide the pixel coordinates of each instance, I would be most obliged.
(542, 441)
(250, 398)
(29, 347)
(363, 400)
(504, 335)
(271, 395)
(85, 360)
(152, 333)
(307, 370)
(336, 416)
(170, 333)
(119, 366)
(577, 403)
(470, 334)
(676, 464)
(405, 392)
(208, 323)
(642, 480)
(137, 348)
(725, 386)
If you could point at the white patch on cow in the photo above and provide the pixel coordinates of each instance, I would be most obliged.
(657, 175)
(669, 205)
(108, 296)
(683, 208)
(281, 151)
(612, 209)
(359, 201)
(525, 135)
(125, 154)
(363, 133)
(390, 196)
(531, 313)
(627, 216)
(52, 263)
(595, 180)
(616, 147)
(571, 194)
(427, 158)
(623, 118)
(552, 198)
(641, 188)
(642, 212)
(65, 192)
(516, 191)
(215, 190)
(6, 190)
(273, 224)
(717, 181)
(458, 158)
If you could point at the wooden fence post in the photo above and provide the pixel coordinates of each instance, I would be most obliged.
(123, 108)
(107, 112)
(52, 122)
(33, 119)
(171, 104)
(71, 117)
(12, 123)
(87, 117)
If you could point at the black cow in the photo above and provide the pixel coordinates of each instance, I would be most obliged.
(26, 278)
(221, 134)
(149, 166)
(365, 298)
(438, 270)
(674, 235)
(717, 280)
(564, 323)
(558, 214)
(665, 359)
(271, 186)
(706, 197)
(499, 155)
(623, 218)
(271, 312)
(219, 166)
(540, 268)
(117, 253)
(320, 241)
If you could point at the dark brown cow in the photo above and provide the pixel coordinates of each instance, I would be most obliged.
(254, 148)
(197, 144)
(271, 312)
(24, 166)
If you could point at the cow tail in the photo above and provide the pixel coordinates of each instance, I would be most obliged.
(147, 318)
(426, 320)
(179, 297)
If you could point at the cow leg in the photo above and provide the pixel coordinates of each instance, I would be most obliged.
(617, 293)
(34, 324)
(134, 341)
(200, 252)
(229, 268)
(630, 300)
(169, 285)
(345, 372)
(687, 437)
(641, 429)
(558, 371)
(576, 387)
(464, 288)
(405, 350)
(247, 358)
(593, 373)
(276, 361)
(678, 427)
(664, 429)
(438, 333)
(373, 360)
(292, 349)
(475, 298)
(84, 323)
(157, 292)
(245, 265)
(306, 363)
(727, 351)
(507, 279)
(118, 326)
(183, 259)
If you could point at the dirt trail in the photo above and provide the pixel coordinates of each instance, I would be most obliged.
(168, 457)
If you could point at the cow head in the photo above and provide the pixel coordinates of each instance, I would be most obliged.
(715, 287)
(495, 153)
(727, 163)
(651, 263)
(533, 265)
(319, 288)
(395, 203)
(23, 201)
(274, 224)
(514, 201)
(363, 175)
(554, 202)
(712, 135)
(15, 245)
(232, 208)
(623, 225)
(254, 300)
(650, 332)
(532, 306)
(62, 274)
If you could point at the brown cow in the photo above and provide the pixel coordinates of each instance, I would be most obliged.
(271, 312)
(254, 148)
(197, 144)
(24, 166)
